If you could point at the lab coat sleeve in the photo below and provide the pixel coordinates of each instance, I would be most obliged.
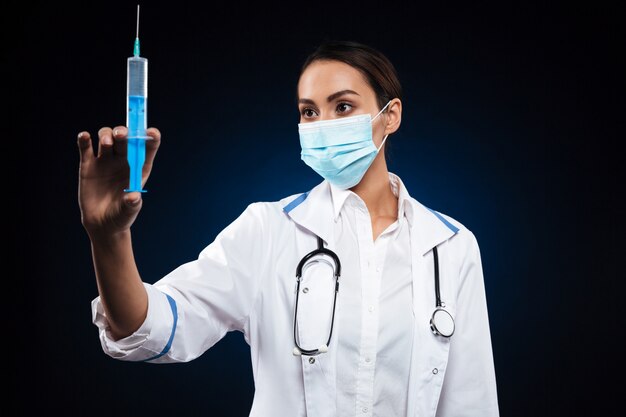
(147, 341)
(469, 387)
(194, 306)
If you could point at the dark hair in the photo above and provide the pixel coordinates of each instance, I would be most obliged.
(375, 67)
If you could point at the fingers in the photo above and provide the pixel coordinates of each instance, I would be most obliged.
(84, 147)
(152, 145)
(120, 134)
(114, 141)
(105, 141)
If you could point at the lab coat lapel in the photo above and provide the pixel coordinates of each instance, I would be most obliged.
(429, 355)
(429, 228)
(313, 210)
(313, 213)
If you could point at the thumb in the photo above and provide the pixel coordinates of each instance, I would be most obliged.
(132, 202)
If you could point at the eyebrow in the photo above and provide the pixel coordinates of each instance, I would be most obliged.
(330, 98)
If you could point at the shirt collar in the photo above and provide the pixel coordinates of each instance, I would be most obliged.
(314, 211)
(340, 196)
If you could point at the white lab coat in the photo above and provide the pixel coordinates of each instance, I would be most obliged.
(245, 280)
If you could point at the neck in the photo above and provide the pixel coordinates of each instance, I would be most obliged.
(375, 191)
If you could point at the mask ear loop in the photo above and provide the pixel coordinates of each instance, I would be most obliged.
(386, 136)
(382, 110)
(382, 143)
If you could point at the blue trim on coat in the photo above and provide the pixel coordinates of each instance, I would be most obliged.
(444, 221)
(171, 339)
(295, 202)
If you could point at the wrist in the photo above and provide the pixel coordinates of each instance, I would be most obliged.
(107, 238)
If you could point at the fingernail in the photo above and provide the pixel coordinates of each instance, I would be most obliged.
(115, 132)
(106, 139)
(80, 135)
(134, 202)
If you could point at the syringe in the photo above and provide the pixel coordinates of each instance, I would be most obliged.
(136, 118)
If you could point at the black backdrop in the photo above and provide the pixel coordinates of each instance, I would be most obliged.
(511, 120)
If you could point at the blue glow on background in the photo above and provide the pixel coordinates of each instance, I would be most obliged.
(506, 128)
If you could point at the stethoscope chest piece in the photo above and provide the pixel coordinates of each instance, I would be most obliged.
(442, 323)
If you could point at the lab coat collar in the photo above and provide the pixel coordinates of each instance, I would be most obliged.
(430, 227)
(315, 211)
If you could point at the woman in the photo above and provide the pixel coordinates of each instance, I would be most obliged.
(372, 352)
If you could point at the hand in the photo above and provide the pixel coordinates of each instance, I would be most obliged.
(105, 208)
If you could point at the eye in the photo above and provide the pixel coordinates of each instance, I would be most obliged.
(343, 108)
(308, 113)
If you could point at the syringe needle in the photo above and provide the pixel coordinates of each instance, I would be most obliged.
(137, 21)
(136, 46)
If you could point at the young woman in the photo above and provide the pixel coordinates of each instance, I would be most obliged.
(355, 298)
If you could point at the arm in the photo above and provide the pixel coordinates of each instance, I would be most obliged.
(190, 309)
(121, 290)
(107, 214)
(195, 305)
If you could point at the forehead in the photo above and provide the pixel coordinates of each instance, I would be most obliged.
(323, 78)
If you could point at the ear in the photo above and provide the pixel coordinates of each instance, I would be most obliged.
(393, 116)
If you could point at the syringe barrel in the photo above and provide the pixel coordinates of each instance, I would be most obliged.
(137, 97)
(136, 119)
(137, 82)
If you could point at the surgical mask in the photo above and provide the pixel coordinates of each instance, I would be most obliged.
(340, 150)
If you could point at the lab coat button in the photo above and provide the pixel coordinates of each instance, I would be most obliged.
(435, 371)
(311, 360)
(364, 409)
(370, 308)
(305, 290)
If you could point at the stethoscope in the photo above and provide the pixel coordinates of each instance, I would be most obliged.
(321, 250)
(441, 322)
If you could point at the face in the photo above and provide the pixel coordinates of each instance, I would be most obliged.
(332, 89)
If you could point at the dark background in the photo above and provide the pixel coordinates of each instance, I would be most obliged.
(511, 120)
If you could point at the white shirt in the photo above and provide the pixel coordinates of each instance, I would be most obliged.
(376, 320)
(245, 281)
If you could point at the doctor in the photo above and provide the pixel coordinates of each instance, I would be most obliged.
(391, 316)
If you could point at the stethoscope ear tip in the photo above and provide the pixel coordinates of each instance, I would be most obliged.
(296, 352)
(323, 349)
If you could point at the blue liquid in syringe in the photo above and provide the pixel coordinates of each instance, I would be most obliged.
(136, 149)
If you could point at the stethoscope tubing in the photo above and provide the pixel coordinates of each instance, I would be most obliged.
(438, 315)
(321, 250)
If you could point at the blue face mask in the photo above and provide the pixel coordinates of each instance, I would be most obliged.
(340, 150)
